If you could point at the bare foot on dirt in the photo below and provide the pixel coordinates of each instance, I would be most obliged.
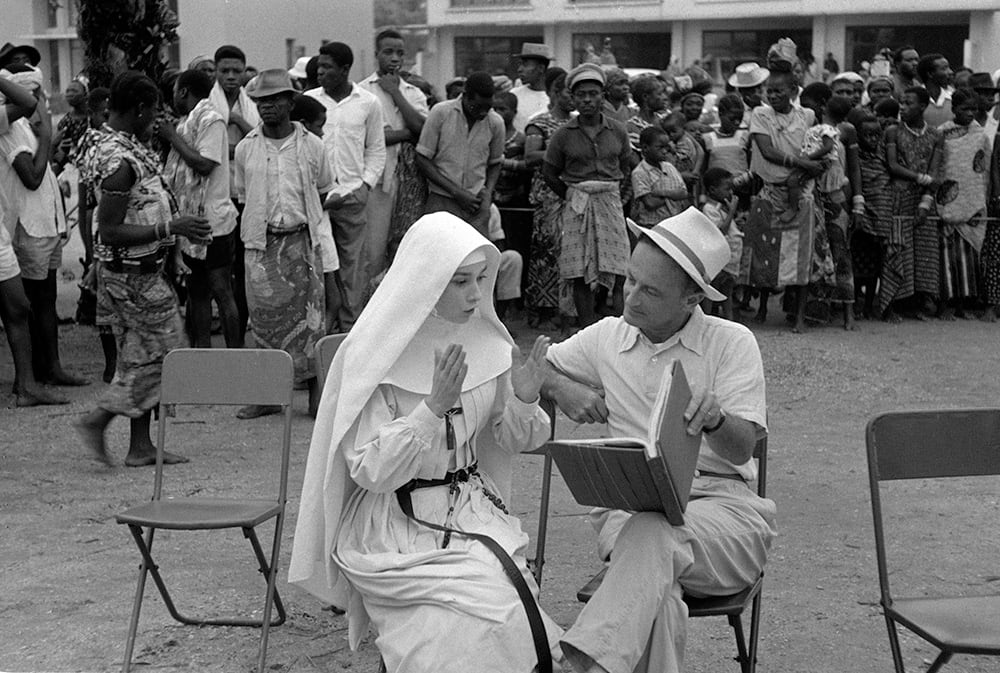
(989, 315)
(92, 436)
(36, 396)
(145, 457)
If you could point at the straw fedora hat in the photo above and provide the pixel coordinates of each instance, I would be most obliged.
(270, 83)
(695, 243)
(542, 52)
(749, 75)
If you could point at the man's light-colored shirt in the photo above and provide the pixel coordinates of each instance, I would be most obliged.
(718, 355)
(939, 110)
(40, 211)
(529, 103)
(280, 182)
(460, 153)
(392, 117)
(205, 130)
(354, 135)
(786, 131)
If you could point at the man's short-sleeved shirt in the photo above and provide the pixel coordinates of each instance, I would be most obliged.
(719, 355)
(392, 117)
(578, 157)
(461, 153)
(786, 131)
(40, 211)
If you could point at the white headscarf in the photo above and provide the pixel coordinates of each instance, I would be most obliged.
(392, 341)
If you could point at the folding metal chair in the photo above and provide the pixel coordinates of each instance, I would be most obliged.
(934, 445)
(326, 348)
(732, 607)
(216, 377)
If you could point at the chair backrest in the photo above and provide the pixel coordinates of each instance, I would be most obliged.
(326, 348)
(217, 376)
(926, 445)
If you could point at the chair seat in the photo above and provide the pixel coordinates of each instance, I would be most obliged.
(200, 513)
(708, 606)
(969, 625)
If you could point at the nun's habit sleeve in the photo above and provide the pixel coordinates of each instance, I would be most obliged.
(517, 426)
(384, 452)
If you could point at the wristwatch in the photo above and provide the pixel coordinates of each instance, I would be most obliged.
(722, 420)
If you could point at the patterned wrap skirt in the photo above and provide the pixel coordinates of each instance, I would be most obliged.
(285, 295)
(594, 240)
(142, 312)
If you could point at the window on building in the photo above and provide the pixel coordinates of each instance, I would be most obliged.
(863, 41)
(725, 49)
(626, 50)
(492, 54)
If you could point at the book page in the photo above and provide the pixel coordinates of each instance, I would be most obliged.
(620, 442)
(659, 408)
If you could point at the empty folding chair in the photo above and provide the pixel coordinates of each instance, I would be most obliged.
(934, 445)
(216, 377)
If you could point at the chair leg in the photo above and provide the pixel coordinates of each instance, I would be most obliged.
(133, 624)
(941, 660)
(897, 655)
(271, 596)
(146, 549)
(154, 572)
(754, 633)
(736, 621)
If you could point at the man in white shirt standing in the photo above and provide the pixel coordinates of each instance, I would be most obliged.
(354, 135)
(36, 222)
(404, 110)
(531, 95)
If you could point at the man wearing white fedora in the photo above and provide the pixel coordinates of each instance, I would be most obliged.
(748, 80)
(610, 373)
(531, 95)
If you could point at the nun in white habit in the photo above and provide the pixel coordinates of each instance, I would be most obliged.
(422, 397)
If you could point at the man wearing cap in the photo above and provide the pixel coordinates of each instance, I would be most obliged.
(611, 373)
(460, 152)
(531, 95)
(283, 175)
(585, 163)
(404, 111)
(748, 81)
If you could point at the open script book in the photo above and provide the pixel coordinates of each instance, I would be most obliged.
(638, 474)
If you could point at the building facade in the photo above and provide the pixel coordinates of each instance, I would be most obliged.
(468, 35)
(273, 33)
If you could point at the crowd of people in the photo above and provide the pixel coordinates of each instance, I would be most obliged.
(647, 213)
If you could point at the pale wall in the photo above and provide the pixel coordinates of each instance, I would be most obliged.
(261, 27)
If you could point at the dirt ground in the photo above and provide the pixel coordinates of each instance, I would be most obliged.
(67, 570)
